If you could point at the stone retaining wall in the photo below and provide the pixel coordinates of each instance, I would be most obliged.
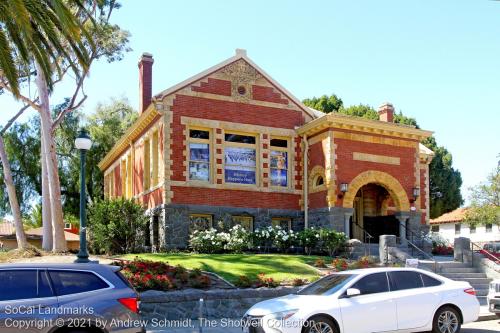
(218, 303)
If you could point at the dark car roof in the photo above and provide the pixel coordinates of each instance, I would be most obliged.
(90, 267)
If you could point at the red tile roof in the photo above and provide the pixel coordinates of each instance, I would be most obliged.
(457, 215)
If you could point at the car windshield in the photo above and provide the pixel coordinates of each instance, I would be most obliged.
(327, 285)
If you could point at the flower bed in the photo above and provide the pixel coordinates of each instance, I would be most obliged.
(146, 275)
(237, 239)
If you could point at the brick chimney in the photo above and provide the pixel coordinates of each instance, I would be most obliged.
(145, 81)
(386, 112)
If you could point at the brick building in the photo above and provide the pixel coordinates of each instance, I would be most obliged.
(231, 145)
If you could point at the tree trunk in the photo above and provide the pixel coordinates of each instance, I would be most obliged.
(22, 243)
(49, 154)
(47, 243)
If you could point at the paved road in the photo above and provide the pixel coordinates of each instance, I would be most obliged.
(491, 326)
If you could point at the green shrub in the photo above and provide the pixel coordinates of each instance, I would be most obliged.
(116, 226)
(332, 241)
(320, 263)
(309, 239)
(299, 282)
(243, 282)
(208, 241)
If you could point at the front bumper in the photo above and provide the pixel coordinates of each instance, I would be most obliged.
(494, 304)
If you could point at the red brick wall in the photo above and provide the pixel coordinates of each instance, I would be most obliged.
(316, 155)
(349, 168)
(267, 94)
(234, 198)
(318, 200)
(232, 112)
(214, 86)
(152, 199)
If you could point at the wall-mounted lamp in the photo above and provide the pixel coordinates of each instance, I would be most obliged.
(416, 192)
(343, 189)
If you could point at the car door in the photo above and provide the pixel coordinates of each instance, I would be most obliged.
(374, 310)
(27, 302)
(415, 302)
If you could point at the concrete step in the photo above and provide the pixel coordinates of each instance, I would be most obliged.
(445, 270)
(481, 292)
(475, 281)
(454, 276)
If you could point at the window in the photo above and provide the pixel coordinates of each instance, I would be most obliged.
(67, 225)
(372, 284)
(319, 181)
(489, 227)
(199, 222)
(435, 228)
(146, 173)
(240, 159)
(327, 285)
(245, 221)
(23, 284)
(279, 162)
(284, 222)
(472, 229)
(429, 281)
(72, 282)
(405, 280)
(457, 228)
(199, 155)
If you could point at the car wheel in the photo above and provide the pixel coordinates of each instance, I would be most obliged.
(320, 324)
(446, 320)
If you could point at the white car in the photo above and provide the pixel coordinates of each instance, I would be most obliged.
(494, 297)
(369, 300)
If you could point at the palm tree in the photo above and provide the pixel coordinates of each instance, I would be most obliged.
(40, 31)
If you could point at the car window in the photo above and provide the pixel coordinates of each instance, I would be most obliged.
(23, 284)
(73, 282)
(372, 284)
(44, 289)
(405, 280)
(429, 281)
(327, 285)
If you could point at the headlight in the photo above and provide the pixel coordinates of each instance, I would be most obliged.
(283, 315)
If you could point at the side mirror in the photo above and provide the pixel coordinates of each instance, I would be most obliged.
(353, 292)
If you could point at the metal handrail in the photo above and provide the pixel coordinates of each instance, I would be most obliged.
(429, 256)
(366, 236)
(488, 254)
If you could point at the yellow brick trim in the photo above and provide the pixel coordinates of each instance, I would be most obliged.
(374, 139)
(357, 156)
(390, 183)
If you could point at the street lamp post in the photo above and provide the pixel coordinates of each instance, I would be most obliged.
(83, 143)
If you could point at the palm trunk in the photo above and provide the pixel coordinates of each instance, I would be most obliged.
(49, 155)
(22, 243)
(47, 243)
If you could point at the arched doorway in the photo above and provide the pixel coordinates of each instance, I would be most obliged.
(373, 213)
(376, 197)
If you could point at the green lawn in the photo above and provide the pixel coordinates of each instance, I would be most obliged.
(280, 267)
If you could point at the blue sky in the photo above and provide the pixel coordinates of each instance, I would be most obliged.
(437, 61)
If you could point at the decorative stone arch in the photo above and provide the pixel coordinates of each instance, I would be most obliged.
(317, 171)
(383, 179)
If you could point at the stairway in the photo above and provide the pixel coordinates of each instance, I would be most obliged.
(365, 249)
(462, 272)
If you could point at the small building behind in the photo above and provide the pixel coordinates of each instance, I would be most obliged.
(451, 225)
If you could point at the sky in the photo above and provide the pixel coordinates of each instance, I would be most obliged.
(436, 61)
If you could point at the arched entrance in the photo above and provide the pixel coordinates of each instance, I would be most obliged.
(377, 199)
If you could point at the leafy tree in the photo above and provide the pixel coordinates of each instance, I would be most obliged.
(106, 125)
(325, 103)
(444, 180)
(361, 110)
(114, 226)
(485, 201)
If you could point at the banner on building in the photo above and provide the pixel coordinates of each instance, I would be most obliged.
(239, 165)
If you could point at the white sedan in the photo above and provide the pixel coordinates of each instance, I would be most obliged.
(369, 300)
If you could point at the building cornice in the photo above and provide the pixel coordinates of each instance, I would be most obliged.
(130, 136)
(340, 121)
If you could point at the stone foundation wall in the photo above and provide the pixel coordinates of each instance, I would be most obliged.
(217, 304)
(174, 220)
(332, 218)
